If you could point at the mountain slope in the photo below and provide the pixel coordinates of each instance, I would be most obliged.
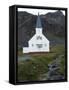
(53, 25)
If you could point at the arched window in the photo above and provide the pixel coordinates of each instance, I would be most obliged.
(39, 38)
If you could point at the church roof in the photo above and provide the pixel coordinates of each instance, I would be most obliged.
(38, 23)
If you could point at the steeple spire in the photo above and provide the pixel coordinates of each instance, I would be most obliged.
(38, 23)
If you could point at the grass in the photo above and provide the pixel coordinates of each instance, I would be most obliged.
(62, 66)
(34, 68)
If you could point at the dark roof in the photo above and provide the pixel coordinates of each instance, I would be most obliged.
(38, 23)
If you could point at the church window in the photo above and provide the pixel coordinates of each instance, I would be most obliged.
(39, 37)
(32, 45)
(45, 44)
(39, 45)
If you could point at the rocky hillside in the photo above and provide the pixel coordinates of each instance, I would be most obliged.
(53, 25)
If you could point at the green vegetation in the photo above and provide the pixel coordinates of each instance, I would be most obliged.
(62, 66)
(35, 66)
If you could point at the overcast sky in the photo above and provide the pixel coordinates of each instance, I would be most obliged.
(41, 11)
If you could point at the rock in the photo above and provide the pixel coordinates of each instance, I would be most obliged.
(53, 67)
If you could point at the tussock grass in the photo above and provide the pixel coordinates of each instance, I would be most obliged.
(35, 67)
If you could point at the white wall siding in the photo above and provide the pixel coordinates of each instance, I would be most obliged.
(25, 50)
(33, 47)
(38, 43)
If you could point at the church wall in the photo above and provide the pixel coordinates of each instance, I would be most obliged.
(25, 50)
(38, 43)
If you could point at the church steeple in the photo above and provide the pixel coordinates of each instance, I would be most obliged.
(38, 23)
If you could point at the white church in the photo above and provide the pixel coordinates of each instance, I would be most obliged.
(38, 43)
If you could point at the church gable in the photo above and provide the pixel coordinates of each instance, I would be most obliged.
(38, 43)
